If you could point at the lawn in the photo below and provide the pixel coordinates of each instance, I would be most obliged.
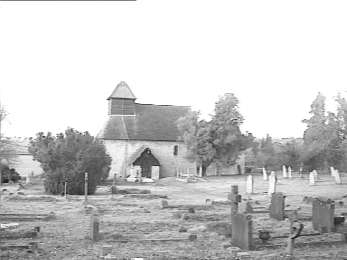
(149, 228)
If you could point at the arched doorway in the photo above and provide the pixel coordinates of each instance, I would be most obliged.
(146, 160)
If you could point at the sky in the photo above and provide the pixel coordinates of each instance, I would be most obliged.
(59, 61)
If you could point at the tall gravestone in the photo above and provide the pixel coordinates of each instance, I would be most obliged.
(284, 171)
(301, 172)
(312, 178)
(277, 206)
(94, 227)
(290, 172)
(249, 184)
(332, 171)
(323, 211)
(235, 199)
(272, 183)
(315, 173)
(242, 231)
(264, 174)
(337, 177)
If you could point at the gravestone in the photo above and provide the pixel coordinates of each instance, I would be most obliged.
(272, 183)
(290, 172)
(94, 227)
(264, 174)
(164, 204)
(284, 171)
(155, 172)
(323, 211)
(235, 198)
(249, 184)
(277, 206)
(315, 173)
(337, 177)
(242, 231)
(29, 178)
(312, 179)
(332, 171)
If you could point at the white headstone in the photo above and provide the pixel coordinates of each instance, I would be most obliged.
(272, 183)
(155, 172)
(315, 173)
(290, 172)
(337, 177)
(249, 184)
(332, 171)
(264, 174)
(312, 178)
(284, 171)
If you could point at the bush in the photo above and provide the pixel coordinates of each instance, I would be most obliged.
(66, 157)
(8, 174)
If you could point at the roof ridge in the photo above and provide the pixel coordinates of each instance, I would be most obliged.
(122, 90)
(160, 105)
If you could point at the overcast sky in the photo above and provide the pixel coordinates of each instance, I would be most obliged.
(59, 61)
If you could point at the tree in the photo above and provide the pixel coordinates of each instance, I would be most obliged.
(66, 157)
(289, 154)
(3, 115)
(7, 146)
(265, 154)
(316, 139)
(341, 118)
(218, 140)
(227, 139)
(196, 135)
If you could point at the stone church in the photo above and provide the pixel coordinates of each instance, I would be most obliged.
(145, 137)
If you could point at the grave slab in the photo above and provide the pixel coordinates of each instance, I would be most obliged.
(277, 206)
(242, 231)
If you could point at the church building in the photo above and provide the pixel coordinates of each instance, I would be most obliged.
(143, 137)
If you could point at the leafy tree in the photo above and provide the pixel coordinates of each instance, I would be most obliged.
(265, 154)
(66, 157)
(290, 154)
(341, 118)
(227, 139)
(316, 139)
(196, 136)
(218, 140)
(7, 146)
(325, 135)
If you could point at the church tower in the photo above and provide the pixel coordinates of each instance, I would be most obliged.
(122, 101)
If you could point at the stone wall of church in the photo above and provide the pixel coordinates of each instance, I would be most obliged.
(122, 150)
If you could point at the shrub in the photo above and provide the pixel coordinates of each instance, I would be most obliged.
(8, 174)
(66, 157)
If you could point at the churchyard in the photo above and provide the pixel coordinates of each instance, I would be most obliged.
(172, 219)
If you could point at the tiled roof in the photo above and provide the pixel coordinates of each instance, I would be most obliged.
(151, 122)
(122, 90)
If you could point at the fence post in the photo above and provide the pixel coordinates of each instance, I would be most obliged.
(86, 188)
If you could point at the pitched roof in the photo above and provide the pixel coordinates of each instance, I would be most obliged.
(151, 122)
(122, 90)
(135, 155)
